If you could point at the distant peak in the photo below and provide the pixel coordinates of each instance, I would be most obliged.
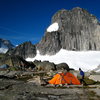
(77, 8)
(62, 9)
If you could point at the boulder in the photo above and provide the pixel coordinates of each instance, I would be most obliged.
(37, 62)
(45, 66)
(62, 66)
(95, 77)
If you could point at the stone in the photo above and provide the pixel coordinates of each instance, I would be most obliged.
(45, 66)
(95, 77)
(62, 65)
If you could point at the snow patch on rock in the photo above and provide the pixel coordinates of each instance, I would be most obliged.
(52, 28)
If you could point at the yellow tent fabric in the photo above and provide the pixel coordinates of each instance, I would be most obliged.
(63, 78)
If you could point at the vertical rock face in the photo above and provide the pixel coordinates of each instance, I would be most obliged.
(50, 44)
(78, 30)
(24, 50)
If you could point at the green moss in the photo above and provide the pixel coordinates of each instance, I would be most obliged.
(89, 81)
(40, 74)
(1, 55)
(97, 83)
(13, 68)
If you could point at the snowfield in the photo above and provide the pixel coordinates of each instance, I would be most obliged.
(87, 60)
(3, 48)
(52, 28)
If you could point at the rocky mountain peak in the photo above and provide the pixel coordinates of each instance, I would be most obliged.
(77, 30)
(25, 50)
(5, 45)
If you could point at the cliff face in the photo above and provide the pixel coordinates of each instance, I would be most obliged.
(77, 30)
(50, 43)
(24, 50)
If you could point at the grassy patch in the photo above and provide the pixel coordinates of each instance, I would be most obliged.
(97, 83)
(13, 68)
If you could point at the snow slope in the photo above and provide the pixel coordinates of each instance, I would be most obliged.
(87, 60)
(5, 45)
(53, 27)
(97, 69)
(3, 48)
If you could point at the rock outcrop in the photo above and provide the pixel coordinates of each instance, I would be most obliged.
(44, 66)
(24, 50)
(16, 62)
(50, 43)
(77, 30)
(62, 66)
(18, 90)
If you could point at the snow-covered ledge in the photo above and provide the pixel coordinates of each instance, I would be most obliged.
(52, 28)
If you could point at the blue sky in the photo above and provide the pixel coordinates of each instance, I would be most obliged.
(27, 20)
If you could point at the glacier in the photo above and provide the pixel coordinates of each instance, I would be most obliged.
(87, 60)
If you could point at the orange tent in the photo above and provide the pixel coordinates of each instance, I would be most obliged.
(63, 78)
